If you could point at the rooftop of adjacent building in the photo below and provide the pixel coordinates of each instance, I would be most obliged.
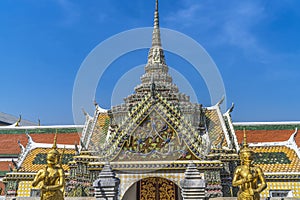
(267, 131)
(8, 119)
(13, 139)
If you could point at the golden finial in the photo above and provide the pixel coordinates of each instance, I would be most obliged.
(245, 139)
(19, 120)
(55, 139)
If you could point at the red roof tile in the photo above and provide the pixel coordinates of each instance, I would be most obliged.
(254, 136)
(4, 165)
(3, 188)
(9, 142)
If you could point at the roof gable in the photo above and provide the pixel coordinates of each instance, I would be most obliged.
(143, 116)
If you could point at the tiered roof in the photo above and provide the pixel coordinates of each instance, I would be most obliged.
(267, 131)
(9, 136)
(121, 131)
(276, 145)
(36, 158)
(13, 140)
(276, 159)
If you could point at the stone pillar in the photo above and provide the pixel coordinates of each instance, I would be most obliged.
(106, 187)
(193, 186)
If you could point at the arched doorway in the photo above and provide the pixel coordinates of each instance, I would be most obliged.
(153, 188)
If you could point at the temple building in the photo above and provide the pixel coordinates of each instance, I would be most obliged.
(276, 147)
(155, 142)
(22, 153)
(10, 120)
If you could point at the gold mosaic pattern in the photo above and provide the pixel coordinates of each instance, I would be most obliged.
(168, 112)
(294, 166)
(100, 130)
(28, 166)
(294, 186)
(154, 139)
(24, 188)
(215, 131)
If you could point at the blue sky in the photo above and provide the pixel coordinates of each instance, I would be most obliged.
(254, 43)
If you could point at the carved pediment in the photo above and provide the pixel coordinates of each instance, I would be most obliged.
(154, 130)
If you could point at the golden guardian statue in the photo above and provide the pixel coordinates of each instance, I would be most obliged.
(249, 178)
(52, 177)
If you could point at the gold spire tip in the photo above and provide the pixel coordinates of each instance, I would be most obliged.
(245, 139)
(55, 140)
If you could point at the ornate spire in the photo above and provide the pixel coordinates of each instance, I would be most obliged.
(245, 147)
(156, 32)
(156, 54)
(245, 144)
(55, 139)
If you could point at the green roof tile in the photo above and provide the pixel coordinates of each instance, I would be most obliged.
(40, 130)
(267, 127)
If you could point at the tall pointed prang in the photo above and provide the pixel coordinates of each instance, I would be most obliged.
(156, 54)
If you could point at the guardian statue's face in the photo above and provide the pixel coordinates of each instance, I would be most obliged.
(247, 156)
(52, 158)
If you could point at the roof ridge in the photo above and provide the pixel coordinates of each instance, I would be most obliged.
(266, 123)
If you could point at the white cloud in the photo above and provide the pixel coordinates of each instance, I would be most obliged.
(185, 15)
(239, 22)
(223, 22)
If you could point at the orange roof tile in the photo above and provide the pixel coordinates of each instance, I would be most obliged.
(3, 188)
(4, 165)
(9, 142)
(254, 136)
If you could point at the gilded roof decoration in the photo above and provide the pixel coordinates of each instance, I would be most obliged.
(154, 139)
(36, 159)
(100, 131)
(215, 130)
(142, 119)
(276, 159)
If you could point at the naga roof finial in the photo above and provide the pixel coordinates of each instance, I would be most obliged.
(19, 120)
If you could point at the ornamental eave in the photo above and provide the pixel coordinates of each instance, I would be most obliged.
(162, 165)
